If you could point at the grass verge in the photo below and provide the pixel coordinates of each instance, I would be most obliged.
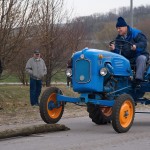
(15, 105)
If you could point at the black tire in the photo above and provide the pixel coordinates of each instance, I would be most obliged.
(123, 113)
(99, 115)
(54, 115)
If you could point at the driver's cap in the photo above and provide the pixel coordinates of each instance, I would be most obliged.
(121, 22)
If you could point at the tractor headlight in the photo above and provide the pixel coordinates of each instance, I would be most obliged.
(103, 72)
(69, 72)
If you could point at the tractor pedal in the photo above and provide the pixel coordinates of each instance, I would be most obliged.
(147, 102)
(144, 101)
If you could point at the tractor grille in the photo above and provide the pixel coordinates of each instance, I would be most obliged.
(82, 71)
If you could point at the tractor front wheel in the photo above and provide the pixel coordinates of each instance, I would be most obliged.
(51, 111)
(123, 113)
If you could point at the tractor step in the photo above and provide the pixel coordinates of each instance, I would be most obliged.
(143, 101)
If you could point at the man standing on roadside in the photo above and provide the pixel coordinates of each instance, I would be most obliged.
(36, 68)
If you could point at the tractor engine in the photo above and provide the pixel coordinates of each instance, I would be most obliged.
(95, 70)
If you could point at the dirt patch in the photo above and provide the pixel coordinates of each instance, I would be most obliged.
(29, 114)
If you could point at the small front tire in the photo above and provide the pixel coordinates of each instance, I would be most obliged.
(123, 113)
(48, 98)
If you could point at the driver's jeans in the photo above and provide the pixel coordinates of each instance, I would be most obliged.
(140, 66)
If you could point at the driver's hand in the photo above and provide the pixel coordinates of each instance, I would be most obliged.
(112, 46)
(133, 47)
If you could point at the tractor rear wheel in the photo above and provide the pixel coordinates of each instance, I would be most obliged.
(98, 114)
(123, 113)
(50, 110)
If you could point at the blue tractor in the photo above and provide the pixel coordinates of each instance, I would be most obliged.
(105, 82)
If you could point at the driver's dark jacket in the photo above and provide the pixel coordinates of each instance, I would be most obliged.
(136, 37)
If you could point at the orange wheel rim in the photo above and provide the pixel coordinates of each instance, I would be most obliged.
(55, 112)
(126, 114)
(107, 111)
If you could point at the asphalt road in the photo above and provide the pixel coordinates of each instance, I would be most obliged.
(85, 135)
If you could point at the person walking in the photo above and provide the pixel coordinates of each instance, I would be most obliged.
(36, 68)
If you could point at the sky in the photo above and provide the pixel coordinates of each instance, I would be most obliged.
(88, 7)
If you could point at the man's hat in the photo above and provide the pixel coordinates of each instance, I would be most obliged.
(36, 51)
(121, 22)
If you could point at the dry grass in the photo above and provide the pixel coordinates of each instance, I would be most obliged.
(15, 106)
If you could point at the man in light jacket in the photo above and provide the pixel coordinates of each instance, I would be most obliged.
(36, 68)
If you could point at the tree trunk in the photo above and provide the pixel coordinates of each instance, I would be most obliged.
(26, 131)
(48, 80)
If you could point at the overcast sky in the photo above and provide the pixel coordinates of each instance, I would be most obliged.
(88, 7)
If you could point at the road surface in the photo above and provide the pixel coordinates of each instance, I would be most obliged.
(85, 135)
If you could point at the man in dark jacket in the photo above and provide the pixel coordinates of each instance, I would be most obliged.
(136, 52)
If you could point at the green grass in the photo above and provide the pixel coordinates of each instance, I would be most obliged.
(11, 78)
(58, 77)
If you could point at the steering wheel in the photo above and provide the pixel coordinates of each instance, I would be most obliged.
(120, 43)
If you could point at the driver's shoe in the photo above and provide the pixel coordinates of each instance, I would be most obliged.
(137, 83)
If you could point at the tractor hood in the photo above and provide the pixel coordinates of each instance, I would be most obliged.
(88, 63)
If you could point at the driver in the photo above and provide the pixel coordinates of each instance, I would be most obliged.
(137, 52)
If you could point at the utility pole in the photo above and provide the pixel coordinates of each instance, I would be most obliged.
(131, 13)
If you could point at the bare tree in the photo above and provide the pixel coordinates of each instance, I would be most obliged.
(17, 67)
(56, 38)
(76, 34)
(144, 27)
(107, 34)
(13, 28)
(52, 35)
(15, 36)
